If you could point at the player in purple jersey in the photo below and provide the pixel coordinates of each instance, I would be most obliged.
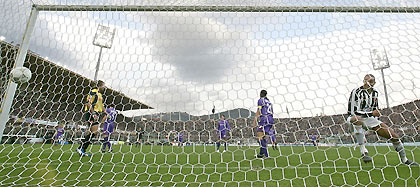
(109, 124)
(272, 134)
(265, 120)
(180, 138)
(59, 135)
(313, 139)
(222, 131)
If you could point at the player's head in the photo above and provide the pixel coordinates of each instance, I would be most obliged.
(263, 93)
(100, 85)
(369, 81)
(222, 117)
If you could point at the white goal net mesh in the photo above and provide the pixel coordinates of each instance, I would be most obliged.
(171, 75)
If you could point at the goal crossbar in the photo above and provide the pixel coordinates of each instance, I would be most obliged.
(228, 8)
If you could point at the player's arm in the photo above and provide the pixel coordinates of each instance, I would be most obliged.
(104, 118)
(257, 115)
(92, 100)
(375, 109)
(352, 103)
(103, 107)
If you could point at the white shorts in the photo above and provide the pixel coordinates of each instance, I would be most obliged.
(369, 122)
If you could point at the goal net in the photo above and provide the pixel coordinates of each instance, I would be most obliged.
(173, 69)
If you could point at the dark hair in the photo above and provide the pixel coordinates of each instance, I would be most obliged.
(369, 75)
(263, 93)
(100, 83)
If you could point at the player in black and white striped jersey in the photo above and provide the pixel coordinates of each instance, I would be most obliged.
(363, 111)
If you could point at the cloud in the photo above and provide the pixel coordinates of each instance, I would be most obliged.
(13, 19)
(198, 52)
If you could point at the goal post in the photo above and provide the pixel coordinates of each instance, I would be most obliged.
(200, 68)
(11, 87)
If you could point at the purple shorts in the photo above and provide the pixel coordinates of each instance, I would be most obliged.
(222, 134)
(265, 129)
(106, 136)
(58, 136)
(272, 135)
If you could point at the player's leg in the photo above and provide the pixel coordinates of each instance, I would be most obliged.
(180, 142)
(93, 131)
(357, 123)
(61, 140)
(273, 141)
(218, 145)
(384, 131)
(139, 141)
(219, 139)
(56, 141)
(261, 135)
(109, 143)
(263, 150)
(84, 143)
(264, 141)
(225, 144)
(88, 117)
(105, 142)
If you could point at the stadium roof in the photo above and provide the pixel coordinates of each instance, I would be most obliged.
(59, 84)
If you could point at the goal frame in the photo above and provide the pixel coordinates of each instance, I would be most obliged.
(30, 25)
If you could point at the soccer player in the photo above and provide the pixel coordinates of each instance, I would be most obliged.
(180, 138)
(59, 134)
(272, 134)
(363, 111)
(313, 139)
(93, 108)
(265, 120)
(222, 130)
(108, 121)
(140, 133)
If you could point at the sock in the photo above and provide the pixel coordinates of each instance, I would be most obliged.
(400, 149)
(104, 143)
(218, 145)
(225, 145)
(360, 138)
(263, 149)
(109, 145)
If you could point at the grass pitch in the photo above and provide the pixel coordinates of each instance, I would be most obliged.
(33, 165)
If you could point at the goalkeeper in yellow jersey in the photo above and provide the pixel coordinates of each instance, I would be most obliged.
(93, 107)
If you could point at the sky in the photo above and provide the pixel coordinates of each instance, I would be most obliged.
(190, 61)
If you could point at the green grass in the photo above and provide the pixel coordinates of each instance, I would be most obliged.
(202, 166)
